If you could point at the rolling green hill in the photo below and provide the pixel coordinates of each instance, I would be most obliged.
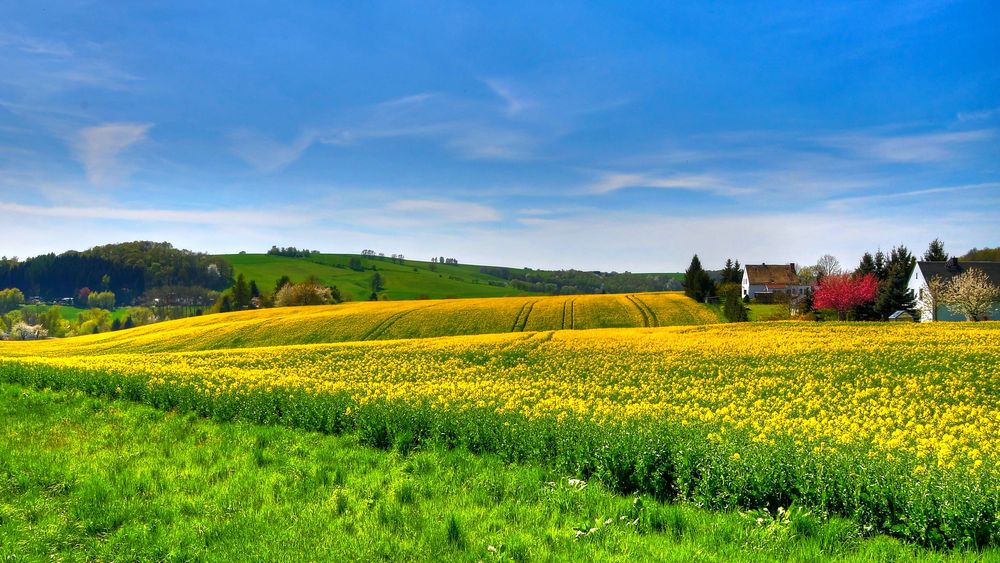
(410, 280)
(413, 279)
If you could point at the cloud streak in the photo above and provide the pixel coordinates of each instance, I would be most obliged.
(220, 218)
(918, 148)
(848, 202)
(614, 181)
(268, 155)
(98, 148)
(446, 210)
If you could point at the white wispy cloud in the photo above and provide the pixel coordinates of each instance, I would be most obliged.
(516, 104)
(848, 202)
(35, 45)
(218, 218)
(447, 211)
(492, 144)
(914, 148)
(613, 181)
(977, 115)
(266, 154)
(470, 127)
(36, 67)
(98, 148)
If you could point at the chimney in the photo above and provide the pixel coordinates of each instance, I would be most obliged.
(952, 264)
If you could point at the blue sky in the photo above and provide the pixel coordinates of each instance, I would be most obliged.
(614, 136)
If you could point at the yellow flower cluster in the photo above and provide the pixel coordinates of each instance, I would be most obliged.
(928, 392)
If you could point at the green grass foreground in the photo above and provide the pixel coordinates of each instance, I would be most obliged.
(89, 478)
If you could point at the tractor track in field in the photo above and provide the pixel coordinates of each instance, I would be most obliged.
(513, 327)
(379, 329)
(521, 320)
(648, 315)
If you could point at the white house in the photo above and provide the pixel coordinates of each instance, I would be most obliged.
(925, 271)
(769, 279)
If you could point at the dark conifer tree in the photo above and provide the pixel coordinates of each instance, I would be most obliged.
(935, 252)
(867, 265)
(241, 293)
(734, 309)
(732, 273)
(697, 283)
(893, 294)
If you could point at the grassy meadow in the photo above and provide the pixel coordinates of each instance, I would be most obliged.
(890, 426)
(71, 313)
(95, 479)
(411, 280)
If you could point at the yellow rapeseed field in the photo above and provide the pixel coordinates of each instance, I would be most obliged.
(926, 393)
(384, 321)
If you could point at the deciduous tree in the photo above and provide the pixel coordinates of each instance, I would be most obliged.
(10, 299)
(304, 293)
(101, 300)
(828, 265)
(970, 294)
(844, 293)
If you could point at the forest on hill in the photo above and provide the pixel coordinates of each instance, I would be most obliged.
(129, 270)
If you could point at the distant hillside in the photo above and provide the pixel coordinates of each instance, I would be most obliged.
(388, 320)
(414, 279)
(407, 280)
(982, 255)
(156, 273)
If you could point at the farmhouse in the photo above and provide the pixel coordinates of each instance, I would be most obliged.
(763, 281)
(926, 271)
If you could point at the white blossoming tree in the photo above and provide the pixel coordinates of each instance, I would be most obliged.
(970, 294)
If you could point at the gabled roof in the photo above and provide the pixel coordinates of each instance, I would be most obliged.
(954, 267)
(772, 274)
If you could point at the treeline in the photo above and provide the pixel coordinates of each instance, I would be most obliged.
(128, 270)
(164, 265)
(19, 322)
(246, 294)
(982, 255)
(291, 252)
(568, 282)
